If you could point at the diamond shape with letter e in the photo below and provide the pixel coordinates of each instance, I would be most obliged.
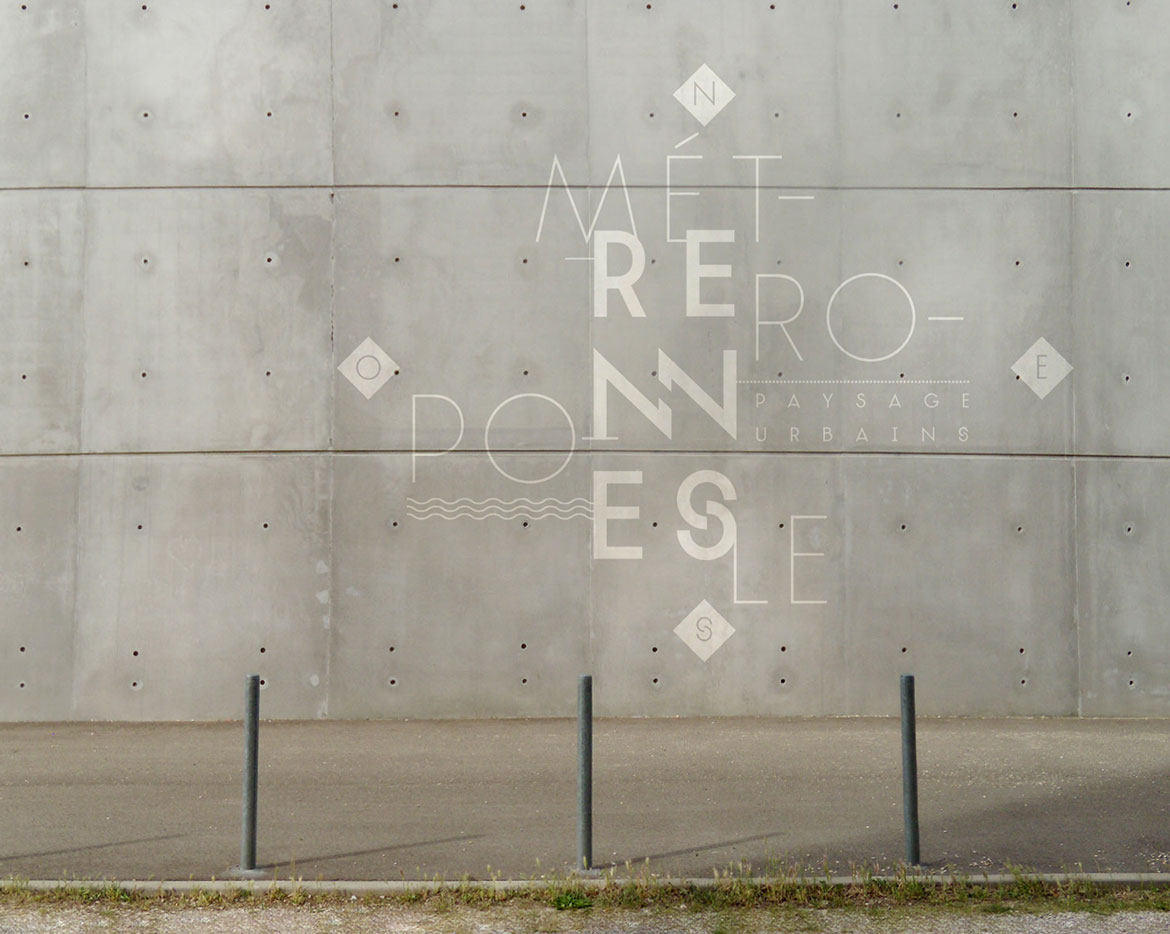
(1041, 368)
(704, 94)
(704, 630)
(368, 367)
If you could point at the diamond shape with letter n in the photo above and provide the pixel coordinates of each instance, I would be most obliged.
(704, 94)
(704, 630)
(1041, 368)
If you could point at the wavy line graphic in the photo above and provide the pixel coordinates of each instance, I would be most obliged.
(500, 509)
(522, 512)
(452, 518)
(541, 510)
(580, 500)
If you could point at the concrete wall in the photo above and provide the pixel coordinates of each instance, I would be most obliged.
(846, 455)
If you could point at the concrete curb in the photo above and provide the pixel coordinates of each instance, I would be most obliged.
(406, 887)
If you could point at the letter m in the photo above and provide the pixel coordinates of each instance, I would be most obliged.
(616, 171)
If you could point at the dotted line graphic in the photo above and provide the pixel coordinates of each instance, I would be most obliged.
(863, 382)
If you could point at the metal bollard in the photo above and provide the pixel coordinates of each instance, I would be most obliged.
(251, 754)
(910, 772)
(585, 773)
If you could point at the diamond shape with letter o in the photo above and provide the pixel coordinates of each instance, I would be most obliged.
(704, 630)
(368, 367)
(704, 94)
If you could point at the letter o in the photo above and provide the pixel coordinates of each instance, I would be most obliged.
(829, 316)
(529, 395)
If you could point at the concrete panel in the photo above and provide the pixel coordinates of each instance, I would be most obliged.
(856, 367)
(477, 316)
(954, 93)
(194, 572)
(42, 69)
(1120, 322)
(775, 662)
(864, 576)
(38, 546)
(207, 320)
(446, 608)
(1122, 116)
(41, 244)
(778, 59)
(968, 566)
(1122, 544)
(446, 92)
(210, 93)
(856, 93)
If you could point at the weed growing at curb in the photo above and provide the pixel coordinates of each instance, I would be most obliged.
(734, 889)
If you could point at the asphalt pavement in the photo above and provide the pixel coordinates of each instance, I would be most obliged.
(497, 798)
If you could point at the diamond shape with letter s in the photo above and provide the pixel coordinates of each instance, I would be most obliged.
(704, 630)
(704, 94)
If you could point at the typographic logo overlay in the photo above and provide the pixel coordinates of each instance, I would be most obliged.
(704, 94)
(1041, 368)
(704, 630)
(368, 367)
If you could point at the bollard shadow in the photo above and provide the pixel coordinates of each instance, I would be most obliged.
(92, 846)
(689, 851)
(305, 860)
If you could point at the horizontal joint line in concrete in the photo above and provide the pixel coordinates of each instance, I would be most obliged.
(406, 452)
(1070, 189)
